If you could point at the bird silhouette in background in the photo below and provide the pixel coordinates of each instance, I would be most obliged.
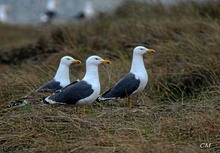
(88, 11)
(50, 13)
(3, 13)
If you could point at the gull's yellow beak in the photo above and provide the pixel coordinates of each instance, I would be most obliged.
(77, 61)
(151, 51)
(106, 62)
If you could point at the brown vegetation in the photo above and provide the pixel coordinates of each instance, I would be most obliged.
(179, 110)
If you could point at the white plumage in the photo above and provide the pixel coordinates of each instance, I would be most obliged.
(83, 92)
(3, 13)
(61, 79)
(134, 82)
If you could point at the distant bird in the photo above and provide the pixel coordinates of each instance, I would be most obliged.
(50, 13)
(88, 11)
(83, 92)
(3, 14)
(61, 78)
(134, 82)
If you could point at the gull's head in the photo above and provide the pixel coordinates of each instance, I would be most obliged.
(68, 60)
(140, 50)
(96, 60)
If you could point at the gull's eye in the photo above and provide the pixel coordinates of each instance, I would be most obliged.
(97, 58)
(68, 58)
(141, 48)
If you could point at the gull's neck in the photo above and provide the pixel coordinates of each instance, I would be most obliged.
(137, 65)
(92, 74)
(62, 73)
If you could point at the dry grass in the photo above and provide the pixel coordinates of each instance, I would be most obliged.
(179, 110)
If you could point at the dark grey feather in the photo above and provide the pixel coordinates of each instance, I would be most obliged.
(73, 93)
(52, 85)
(125, 87)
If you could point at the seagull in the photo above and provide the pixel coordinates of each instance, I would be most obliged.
(83, 92)
(134, 82)
(61, 78)
(3, 13)
(50, 13)
(88, 11)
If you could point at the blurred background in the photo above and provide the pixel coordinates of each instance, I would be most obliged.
(32, 11)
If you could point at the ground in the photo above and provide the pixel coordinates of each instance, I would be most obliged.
(179, 111)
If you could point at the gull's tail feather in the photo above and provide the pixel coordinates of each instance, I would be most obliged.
(45, 101)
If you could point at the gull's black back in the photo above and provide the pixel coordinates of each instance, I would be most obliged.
(52, 85)
(73, 93)
(125, 87)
